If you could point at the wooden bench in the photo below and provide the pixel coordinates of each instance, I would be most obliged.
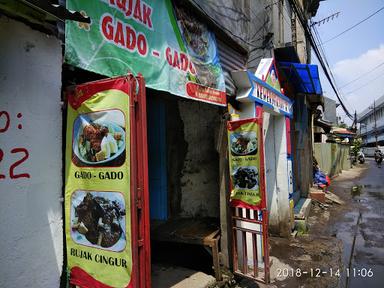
(197, 231)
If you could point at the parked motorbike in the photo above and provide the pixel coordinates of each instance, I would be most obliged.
(361, 157)
(358, 157)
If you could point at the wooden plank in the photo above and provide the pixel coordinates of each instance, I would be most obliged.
(302, 208)
(334, 198)
(186, 230)
(216, 260)
(225, 209)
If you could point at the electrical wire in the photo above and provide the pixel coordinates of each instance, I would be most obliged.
(362, 75)
(315, 47)
(364, 85)
(330, 17)
(270, 5)
(322, 50)
(282, 13)
(285, 8)
(223, 27)
(357, 24)
(317, 36)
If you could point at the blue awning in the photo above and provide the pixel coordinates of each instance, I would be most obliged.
(304, 77)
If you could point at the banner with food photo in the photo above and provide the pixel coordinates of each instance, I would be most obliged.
(97, 189)
(171, 48)
(245, 163)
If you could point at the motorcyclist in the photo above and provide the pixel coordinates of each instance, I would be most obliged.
(379, 157)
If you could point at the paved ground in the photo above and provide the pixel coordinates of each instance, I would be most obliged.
(166, 276)
(349, 238)
(362, 228)
(342, 238)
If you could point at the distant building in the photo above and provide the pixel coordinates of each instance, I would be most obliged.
(372, 123)
(326, 118)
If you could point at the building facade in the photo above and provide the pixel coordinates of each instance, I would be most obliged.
(372, 124)
(188, 182)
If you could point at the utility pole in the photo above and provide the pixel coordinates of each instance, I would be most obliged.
(374, 117)
(361, 124)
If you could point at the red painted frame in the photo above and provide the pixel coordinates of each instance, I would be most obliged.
(140, 221)
(141, 249)
(264, 221)
(288, 135)
(140, 229)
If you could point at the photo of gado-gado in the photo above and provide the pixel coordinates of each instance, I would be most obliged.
(99, 137)
(246, 178)
(243, 144)
(201, 47)
(98, 219)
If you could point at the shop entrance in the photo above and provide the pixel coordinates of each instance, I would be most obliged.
(251, 255)
(106, 193)
(157, 155)
(277, 180)
(184, 187)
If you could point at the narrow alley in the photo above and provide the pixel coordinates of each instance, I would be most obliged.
(342, 240)
(191, 144)
(361, 228)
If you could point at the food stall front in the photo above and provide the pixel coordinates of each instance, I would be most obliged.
(264, 206)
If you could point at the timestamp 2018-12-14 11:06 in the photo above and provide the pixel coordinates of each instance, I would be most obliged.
(331, 272)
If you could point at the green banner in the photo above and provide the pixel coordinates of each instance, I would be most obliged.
(97, 186)
(169, 47)
(244, 163)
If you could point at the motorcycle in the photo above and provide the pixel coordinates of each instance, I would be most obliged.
(361, 157)
(378, 157)
(358, 157)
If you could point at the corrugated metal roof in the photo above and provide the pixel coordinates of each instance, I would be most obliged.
(41, 15)
(230, 60)
(57, 11)
(216, 15)
(305, 77)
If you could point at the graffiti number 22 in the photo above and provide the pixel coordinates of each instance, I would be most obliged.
(17, 163)
(12, 173)
(5, 121)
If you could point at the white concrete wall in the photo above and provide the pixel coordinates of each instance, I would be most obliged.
(31, 234)
(276, 167)
(282, 175)
(277, 187)
(270, 167)
(277, 181)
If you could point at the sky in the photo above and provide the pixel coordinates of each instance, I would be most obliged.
(353, 54)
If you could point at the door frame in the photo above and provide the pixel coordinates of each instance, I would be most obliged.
(139, 185)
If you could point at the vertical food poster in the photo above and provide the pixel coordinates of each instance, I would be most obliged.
(245, 159)
(97, 186)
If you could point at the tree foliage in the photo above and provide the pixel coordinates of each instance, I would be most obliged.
(356, 145)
